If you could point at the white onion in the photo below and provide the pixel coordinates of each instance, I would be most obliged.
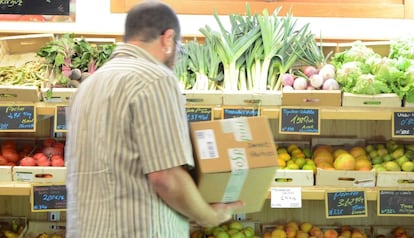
(300, 83)
(316, 80)
(330, 84)
(327, 71)
(287, 88)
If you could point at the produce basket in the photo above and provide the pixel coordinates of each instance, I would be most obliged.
(53, 229)
(13, 226)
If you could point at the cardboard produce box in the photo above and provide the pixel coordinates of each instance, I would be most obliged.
(236, 159)
(395, 179)
(39, 174)
(378, 100)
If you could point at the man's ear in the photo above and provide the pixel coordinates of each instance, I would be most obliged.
(167, 39)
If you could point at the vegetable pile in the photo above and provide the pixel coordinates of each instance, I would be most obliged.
(72, 60)
(360, 70)
(253, 54)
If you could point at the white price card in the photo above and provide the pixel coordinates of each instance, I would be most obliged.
(286, 197)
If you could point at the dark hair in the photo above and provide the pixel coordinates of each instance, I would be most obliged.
(150, 19)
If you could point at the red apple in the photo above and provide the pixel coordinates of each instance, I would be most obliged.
(39, 155)
(43, 161)
(10, 155)
(3, 160)
(58, 163)
(28, 161)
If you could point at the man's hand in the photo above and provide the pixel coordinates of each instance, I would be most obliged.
(224, 213)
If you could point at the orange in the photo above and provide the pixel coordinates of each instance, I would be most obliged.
(357, 151)
(323, 156)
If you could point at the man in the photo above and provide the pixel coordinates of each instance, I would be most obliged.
(128, 141)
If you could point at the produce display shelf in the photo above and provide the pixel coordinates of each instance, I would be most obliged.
(326, 113)
(15, 189)
(308, 193)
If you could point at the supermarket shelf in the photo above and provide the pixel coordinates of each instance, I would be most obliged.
(15, 189)
(308, 193)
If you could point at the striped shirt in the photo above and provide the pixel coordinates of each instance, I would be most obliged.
(126, 120)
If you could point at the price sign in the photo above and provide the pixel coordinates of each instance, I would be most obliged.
(286, 197)
(44, 7)
(199, 114)
(395, 203)
(346, 204)
(18, 118)
(299, 121)
(47, 198)
(403, 124)
(240, 112)
(60, 119)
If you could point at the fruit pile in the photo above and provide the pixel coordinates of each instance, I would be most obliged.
(11, 228)
(231, 229)
(396, 232)
(387, 156)
(49, 152)
(391, 156)
(294, 156)
(294, 229)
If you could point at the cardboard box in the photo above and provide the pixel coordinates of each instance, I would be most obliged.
(395, 179)
(345, 178)
(35, 228)
(312, 98)
(5, 173)
(236, 159)
(378, 100)
(17, 50)
(39, 174)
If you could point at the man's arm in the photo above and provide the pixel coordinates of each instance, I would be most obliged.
(176, 188)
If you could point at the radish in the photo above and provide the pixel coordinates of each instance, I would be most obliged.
(300, 83)
(310, 70)
(287, 79)
(287, 88)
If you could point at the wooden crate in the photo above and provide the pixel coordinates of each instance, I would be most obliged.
(59, 95)
(6, 223)
(35, 228)
(17, 50)
(253, 99)
(378, 100)
(395, 179)
(19, 94)
(213, 98)
(312, 98)
(39, 174)
(345, 178)
(5, 173)
(293, 178)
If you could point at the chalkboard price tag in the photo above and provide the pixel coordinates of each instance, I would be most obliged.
(39, 7)
(346, 204)
(17, 118)
(195, 114)
(299, 120)
(60, 119)
(47, 198)
(403, 124)
(395, 203)
(229, 112)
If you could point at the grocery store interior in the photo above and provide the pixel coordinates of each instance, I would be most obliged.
(342, 122)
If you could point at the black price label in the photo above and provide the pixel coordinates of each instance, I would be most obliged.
(39, 7)
(299, 121)
(346, 204)
(403, 124)
(395, 203)
(199, 114)
(240, 112)
(18, 118)
(60, 119)
(48, 198)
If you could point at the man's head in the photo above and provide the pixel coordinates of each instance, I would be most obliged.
(154, 26)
